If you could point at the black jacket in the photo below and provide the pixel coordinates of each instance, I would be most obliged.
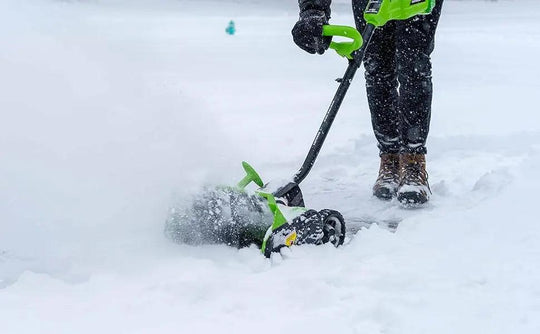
(323, 5)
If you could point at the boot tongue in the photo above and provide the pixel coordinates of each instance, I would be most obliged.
(412, 159)
(413, 169)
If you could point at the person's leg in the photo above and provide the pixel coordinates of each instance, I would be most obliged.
(381, 85)
(415, 43)
(381, 81)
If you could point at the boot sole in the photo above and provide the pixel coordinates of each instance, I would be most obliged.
(412, 199)
(384, 194)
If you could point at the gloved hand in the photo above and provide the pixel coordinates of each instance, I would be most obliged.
(307, 32)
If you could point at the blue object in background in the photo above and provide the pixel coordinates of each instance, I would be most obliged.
(231, 29)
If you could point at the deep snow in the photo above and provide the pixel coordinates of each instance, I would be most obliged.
(112, 110)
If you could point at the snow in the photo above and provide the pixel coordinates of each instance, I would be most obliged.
(112, 110)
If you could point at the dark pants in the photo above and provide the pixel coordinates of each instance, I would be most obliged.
(398, 79)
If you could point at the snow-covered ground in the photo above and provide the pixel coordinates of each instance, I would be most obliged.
(110, 110)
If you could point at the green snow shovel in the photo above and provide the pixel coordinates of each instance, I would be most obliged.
(274, 218)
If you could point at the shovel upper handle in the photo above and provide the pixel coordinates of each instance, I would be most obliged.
(344, 49)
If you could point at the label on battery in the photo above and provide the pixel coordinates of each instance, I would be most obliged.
(373, 6)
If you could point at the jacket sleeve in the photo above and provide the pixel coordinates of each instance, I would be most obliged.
(323, 5)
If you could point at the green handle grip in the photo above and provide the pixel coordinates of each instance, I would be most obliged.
(344, 49)
(379, 12)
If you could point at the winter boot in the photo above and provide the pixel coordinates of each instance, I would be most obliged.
(388, 180)
(413, 187)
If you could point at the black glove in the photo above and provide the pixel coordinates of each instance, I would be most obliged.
(307, 32)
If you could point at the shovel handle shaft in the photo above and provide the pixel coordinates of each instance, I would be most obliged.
(345, 82)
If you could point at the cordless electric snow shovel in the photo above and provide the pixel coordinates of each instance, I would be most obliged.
(274, 218)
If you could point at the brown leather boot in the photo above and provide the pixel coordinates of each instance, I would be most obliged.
(413, 186)
(388, 180)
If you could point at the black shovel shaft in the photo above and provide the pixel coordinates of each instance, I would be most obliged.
(318, 142)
